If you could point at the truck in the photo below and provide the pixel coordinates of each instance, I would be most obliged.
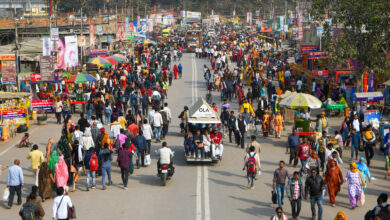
(193, 39)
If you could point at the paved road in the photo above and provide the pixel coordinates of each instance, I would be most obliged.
(195, 192)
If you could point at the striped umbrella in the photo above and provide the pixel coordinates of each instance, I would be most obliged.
(117, 59)
(300, 100)
(112, 61)
(100, 61)
(82, 78)
(120, 56)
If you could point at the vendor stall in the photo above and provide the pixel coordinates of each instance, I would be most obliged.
(301, 101)
(14, 112)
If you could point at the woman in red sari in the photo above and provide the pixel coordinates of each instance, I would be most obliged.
(175, 70)
(333, 179)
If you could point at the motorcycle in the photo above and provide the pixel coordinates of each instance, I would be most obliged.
(165, 173)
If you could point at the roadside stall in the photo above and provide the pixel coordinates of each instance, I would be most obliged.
(298, 101)
(201, 116)
(15, 109)
(78, 99)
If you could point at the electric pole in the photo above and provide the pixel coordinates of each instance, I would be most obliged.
(16, 52)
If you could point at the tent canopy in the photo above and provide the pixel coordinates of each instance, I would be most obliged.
(202, 113)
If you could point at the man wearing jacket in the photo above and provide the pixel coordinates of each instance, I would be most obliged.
(294, 193)
(232, 127)
(87, 160)
(314, 186)
(140, 143)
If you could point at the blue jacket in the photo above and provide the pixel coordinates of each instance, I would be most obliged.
(87, 159)
(140, 142)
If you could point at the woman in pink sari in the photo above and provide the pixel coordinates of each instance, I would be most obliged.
(61, 172)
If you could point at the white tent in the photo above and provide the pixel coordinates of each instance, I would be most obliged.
(202, 113)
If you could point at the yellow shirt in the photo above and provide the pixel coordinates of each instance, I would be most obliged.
(36, 157)
(123, 122)
(248, 106)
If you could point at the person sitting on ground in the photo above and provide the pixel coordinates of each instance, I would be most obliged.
(25, 142)
(279, 214)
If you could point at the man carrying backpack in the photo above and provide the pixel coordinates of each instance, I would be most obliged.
(382, 210)
(252, 161)
(91, 165)
(32, 209)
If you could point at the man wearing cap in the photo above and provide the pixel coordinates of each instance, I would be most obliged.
(324, 122)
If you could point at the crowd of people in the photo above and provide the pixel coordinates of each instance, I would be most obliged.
(254, 72)
(244, 69)
(131, 100)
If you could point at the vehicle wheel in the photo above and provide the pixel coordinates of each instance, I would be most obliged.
(164, 179)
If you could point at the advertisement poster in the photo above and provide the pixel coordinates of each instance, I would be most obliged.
(17, 115)
(47, 65)
(82, 41)
(120, 31)
(35, 77)
(43, 104)
(71, 54)
(108, 28)
(126, 25)
(132, 27)
(54, 34)
(142, 29)
(92, 35)
(99, 30)
(9, 74)
(47, 46)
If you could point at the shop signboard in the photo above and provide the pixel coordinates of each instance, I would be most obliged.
(43, 105)
(16, 115)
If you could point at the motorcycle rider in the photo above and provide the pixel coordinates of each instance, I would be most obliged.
(165, 154)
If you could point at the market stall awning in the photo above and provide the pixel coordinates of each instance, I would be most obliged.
(368, 96)
(202, 113)
(13, 95)
(387, 83)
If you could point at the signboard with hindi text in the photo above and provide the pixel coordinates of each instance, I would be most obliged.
(47, 65)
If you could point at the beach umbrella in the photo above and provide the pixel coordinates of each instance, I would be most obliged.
(82, 78)
(117, 59)
(100, 61)
(287, 93)
(300, 100)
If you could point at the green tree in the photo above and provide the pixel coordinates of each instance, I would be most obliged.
(365, 37)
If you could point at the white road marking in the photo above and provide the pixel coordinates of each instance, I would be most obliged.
(198, 194)
(15, 142)
(206, 193)
(193, 88)
(196, 77)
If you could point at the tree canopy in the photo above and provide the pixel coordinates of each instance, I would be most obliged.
(365, 28)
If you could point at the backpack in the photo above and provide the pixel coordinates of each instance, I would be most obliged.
(133, 100)
(384, 213)
(28, 211)
(93, 163)
(251, 164)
